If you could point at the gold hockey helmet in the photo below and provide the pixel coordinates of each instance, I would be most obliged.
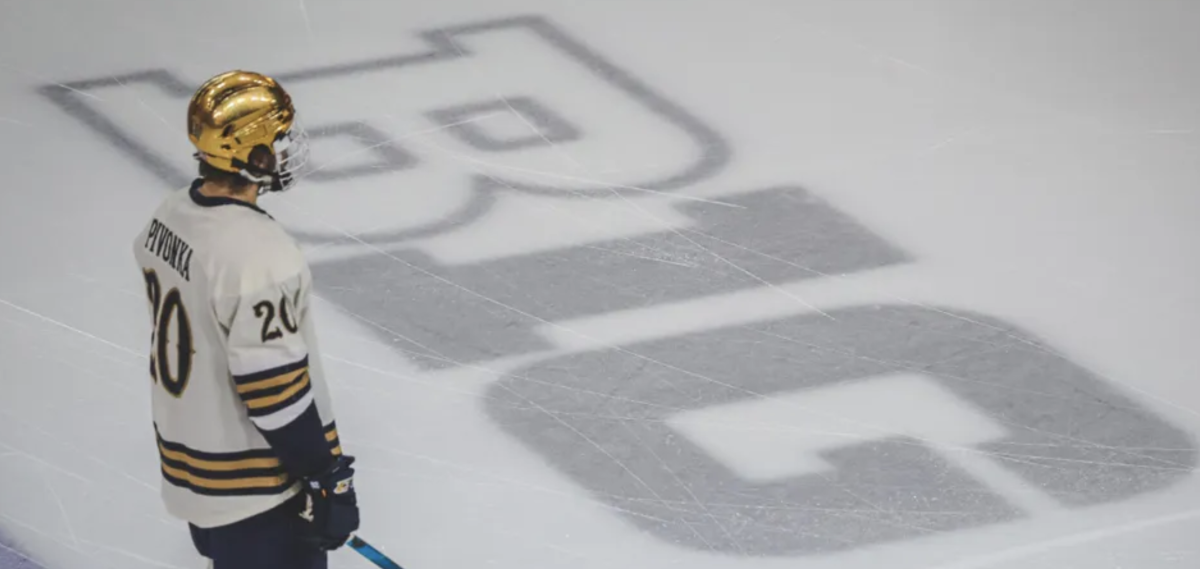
(237, 111)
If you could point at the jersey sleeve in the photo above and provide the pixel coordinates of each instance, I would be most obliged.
(268, 356)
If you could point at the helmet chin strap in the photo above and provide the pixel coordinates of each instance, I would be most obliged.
(266, 182)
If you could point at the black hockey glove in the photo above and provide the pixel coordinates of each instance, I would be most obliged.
(332, 505)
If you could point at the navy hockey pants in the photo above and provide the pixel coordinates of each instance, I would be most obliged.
(270, 540)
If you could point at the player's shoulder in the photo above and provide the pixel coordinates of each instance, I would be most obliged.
(259, 242)
(253, 249)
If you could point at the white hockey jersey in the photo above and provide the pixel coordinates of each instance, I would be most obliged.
(232, 347)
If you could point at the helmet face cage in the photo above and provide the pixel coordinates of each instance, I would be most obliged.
(291, 156)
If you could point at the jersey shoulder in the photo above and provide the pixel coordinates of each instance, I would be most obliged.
(253, 252)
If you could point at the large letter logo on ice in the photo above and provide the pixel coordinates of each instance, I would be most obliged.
(419, 142)
(823, 433)
(756, 429)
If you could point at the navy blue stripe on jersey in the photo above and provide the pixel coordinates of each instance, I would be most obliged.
(251, 378)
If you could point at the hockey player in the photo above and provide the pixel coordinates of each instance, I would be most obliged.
(245, 428)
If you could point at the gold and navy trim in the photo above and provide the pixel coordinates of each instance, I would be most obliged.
(331, 437)
(275, 389)
(246, 473)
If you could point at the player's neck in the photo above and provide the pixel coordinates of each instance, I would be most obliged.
(217, 190)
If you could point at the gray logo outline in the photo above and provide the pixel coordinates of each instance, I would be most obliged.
(615, 441)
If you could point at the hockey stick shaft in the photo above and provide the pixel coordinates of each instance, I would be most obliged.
(373, 555)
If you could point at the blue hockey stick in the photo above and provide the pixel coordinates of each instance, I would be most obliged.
(373, 555)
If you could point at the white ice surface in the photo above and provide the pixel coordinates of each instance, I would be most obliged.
(767, 439)
(1037, 159)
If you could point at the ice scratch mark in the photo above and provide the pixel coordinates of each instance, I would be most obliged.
(436, 385)
(1032, 549)
(307, 20)
(12, 451)
(90, 280)
(21, 555)
(688, 489)
(62, 509)
(401, 137)
(80, 452)
(949, 140)
(142, 103)
(566, 156)
(51, 82)
(70, 328)
(643, 257)
(41, 533)
(13, 121)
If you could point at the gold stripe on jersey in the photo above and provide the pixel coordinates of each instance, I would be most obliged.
(277, 381)
(233, 486)
(218, 465)
(331, 437)
(275, 399)
(275, 389)
(243, 473)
